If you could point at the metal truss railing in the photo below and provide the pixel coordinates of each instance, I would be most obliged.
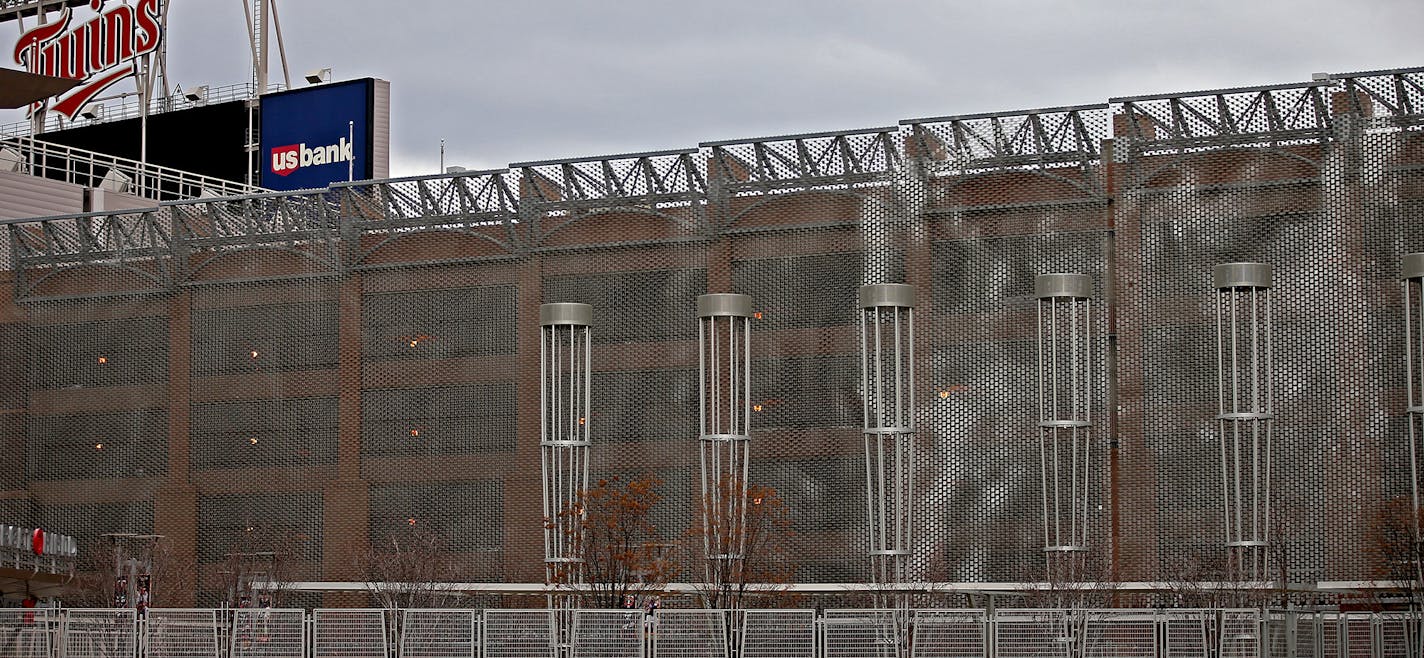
(258, 219)
(137, 242)
(519, 209)
(809, 160)
(1049, 137)
(1274, 114)
(480, 204)
(303, 224)
(1395, 97)
(644, 179)
(77, 166)
(442, 633)
(467, 199)
(555, 194)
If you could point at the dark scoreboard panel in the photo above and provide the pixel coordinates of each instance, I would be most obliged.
(208, 140)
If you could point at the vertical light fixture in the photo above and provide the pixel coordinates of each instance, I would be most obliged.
(1065, 421)
(564, 383)
(887, 381)
(724, 381)
(1246, 415)
(1412, 272)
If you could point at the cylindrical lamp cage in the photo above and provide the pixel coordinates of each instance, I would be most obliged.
(1065, 418)
(724, 366)
(564, 402)
(887, 382)
(1246, 414)
(1412, 272)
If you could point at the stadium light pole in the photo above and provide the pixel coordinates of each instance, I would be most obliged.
(724, 382)
(1245, 412)
(887, 380)
(564, 401)
(1065, 396)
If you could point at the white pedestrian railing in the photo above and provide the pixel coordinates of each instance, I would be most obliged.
(28, 155)
(873, 633)
(350, 633)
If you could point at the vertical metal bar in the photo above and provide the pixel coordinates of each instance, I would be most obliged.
(1255, 425)
(1269, 422)
(1053, 357)
(1043, 437)
(1221, 424)
(899, 390)
(879, 356)
(1408, 292)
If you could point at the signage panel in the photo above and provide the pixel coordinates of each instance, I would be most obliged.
(317, 136)
(100, 51)
(37, 541)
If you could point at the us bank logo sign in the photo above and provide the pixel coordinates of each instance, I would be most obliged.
(101, 51)
(290, 158)
(317, 136)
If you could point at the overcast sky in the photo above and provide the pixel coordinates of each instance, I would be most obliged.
(505, 82)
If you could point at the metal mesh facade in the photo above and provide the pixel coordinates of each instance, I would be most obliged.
(340, 364)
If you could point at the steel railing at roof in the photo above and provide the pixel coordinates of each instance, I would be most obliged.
(129, 107)
(78, 166)
(513, 207)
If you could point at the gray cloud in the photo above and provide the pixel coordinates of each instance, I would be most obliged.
(506, 82)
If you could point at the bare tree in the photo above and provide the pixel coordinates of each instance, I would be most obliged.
(131, 569)
(1397, 542)
(404, 568)
(620, 555)
(1188, 579)
(762, 532)
(175, 576)
(259, 567)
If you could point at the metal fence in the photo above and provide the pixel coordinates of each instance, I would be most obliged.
(872, 633)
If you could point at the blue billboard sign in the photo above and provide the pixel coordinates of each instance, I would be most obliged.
(317, 136)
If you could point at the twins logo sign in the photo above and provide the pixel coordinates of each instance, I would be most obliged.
(99, 51)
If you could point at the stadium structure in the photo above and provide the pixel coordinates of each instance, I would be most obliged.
(1151, 348)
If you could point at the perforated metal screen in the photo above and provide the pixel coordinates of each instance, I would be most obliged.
(339, 366)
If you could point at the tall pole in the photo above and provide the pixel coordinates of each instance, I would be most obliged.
(261, 31)
(1245, 413)
(564, 403)
(887, 381)
(1065, 421)
(724, 382)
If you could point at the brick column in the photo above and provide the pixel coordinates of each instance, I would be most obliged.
(345, 500)
(175, 505)
(523, 548)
